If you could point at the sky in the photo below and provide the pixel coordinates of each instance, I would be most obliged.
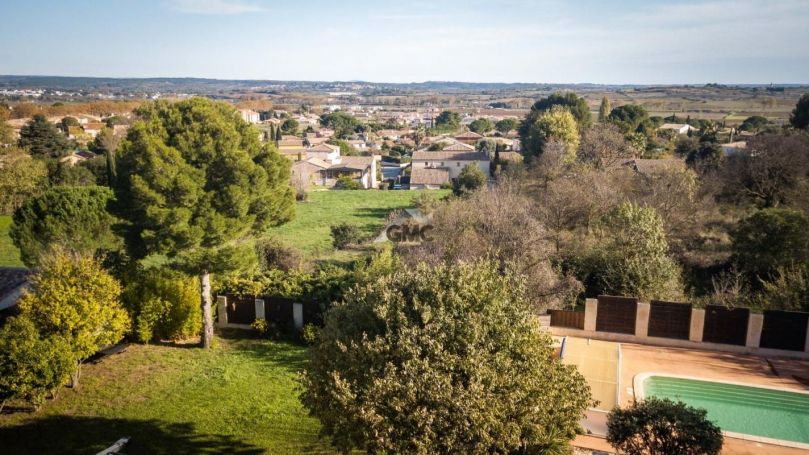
(539, 41)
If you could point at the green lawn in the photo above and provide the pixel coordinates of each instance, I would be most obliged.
(9, 254)
(240, 397)
(310, 232)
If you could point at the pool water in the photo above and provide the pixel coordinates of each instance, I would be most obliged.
(748, 410)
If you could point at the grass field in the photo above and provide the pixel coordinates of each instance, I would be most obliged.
(310, 231)
(239, 397)
(9, 254)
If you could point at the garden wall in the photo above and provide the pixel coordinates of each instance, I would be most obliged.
(240, 311)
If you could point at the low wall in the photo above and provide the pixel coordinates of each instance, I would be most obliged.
(240, 312)
(682, 326)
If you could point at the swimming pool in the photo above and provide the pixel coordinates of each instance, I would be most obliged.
(768, 414)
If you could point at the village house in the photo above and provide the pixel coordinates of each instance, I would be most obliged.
(250, 116)
(469, 137)
(450, 161)
(77, 157)
(679, 128)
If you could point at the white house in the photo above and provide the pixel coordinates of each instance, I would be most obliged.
(249, 115)
(679, 128)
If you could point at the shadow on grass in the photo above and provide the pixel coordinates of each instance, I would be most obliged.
(287, 355)
(88, 435)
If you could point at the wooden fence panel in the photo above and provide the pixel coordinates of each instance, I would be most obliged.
(567, 318)
(669, 320)
(616, 314)
(241, 310)
(725, 325)
(784, 330)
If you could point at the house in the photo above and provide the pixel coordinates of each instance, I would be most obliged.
(679, 128)
(358, 144)
(360, 168)
(293, 153)
(425, 178)
(325, 152)
(308, 172)
(458, 147)
(451, 161)
(290, 142)
(77, 157)
(250, 116)
(13, 281)
(469, 137)
(93, 128)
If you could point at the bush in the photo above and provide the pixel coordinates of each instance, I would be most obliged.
(470, 179)
(345, 234)
(164, 305)
(31, 366)
(274, 254)
(347, 183)
(261, 326)
(463, 338)
(309, 334)
(663, 427)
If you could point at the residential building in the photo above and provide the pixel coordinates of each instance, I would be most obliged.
(452, 161)
(250, 116)
(469, 137)
(679, 128)
(424, 178)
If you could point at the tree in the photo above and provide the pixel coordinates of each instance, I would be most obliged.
(604, 110)
(556, 123)
(632, 257)
(43, 139)
(163, 305)
(193, 184)
(6, 131)
(448, 120)
(31, 365)
(21, 178)
(470, 179)
(603, 146)
(753, 123)
(441, 360)
(290, 126)
(345, 234)
(800, 115)
(769, 239)
(577, 106)
(344, 125)
(662, 427)
(67, 122)
(630, 118)
(506, 125)
(72, 297)
(481, 126)
(74, 218)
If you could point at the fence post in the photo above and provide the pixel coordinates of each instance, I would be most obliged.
(222, 310)
(590, 314)
(642, 319)
(297, 315)
(260, 309)
(697, 324)
(806, 345)
(754, 325)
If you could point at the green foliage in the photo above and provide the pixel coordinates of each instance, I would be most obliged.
(290, 126)
(62, 173)
(629, 118)
(556, 123)
(21, 178)
(506, 125)
(800, 115)
(344, 125)
(31, 366)
(466, 340)
(788, 289)
(194, 180)
(275, 254)
(604, 109)
(769, 239)
(577, 106)
(469, 180)
(345, 234)
(43, 139)
(72, 297)
(164, 305)
(74, 218)
(707, 157)
(309, 334)
(345, 182)
(656, 426)
(481, 126)
(631, 257)
(448, 120)
(753, 123)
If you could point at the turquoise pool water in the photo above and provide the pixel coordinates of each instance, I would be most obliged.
(740, 409)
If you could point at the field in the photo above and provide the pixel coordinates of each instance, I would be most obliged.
(9, 255)
(310, 232)
(240, 397)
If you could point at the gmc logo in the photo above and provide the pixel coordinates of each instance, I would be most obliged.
(409, 232)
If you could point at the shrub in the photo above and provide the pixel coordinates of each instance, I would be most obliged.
(261, 326)
(345, 234)
(769, 239)
(31, 366)
(274, 254)
(656, 426)
(347, 183)
(164, 305)
(464, 338)
(470, 179)
(309, 334)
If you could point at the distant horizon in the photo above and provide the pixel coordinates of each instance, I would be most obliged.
(362, 81)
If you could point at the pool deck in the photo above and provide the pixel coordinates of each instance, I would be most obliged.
(754, 370)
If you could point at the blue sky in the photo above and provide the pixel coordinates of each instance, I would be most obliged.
(632, 41)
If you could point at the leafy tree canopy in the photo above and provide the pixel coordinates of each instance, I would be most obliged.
(506, 125)
(448, 120)
(481, 126)
(630, 117)
(343, 124)
(470, 179)
(21, 178)
(771, 238)
(43, 139)
(557, 123)
(800, 115)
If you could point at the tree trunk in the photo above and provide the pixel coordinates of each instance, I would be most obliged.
(207, 317)
(74, 378)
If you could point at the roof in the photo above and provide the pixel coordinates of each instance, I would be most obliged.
(458, 147)
(429, 176)
(290, 143)
(353, 162)
(328, 148)
(674, 126)
(11, 279)
(445, 155)
(313, 161)
(469, 135)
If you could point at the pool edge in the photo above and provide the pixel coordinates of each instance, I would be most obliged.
(639, 393)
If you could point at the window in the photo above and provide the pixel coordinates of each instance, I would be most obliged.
(458, 164)
(442, 164)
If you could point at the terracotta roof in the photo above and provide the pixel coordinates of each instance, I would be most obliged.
(429, 176)
(313, 161)
(458, 147)
(353, 162)
(469, 135)
(445, 155)
(290, 143)
(328, 148)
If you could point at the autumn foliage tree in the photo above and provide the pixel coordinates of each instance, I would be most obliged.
(194, 184)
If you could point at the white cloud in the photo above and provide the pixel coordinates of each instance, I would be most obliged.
(215, 7)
